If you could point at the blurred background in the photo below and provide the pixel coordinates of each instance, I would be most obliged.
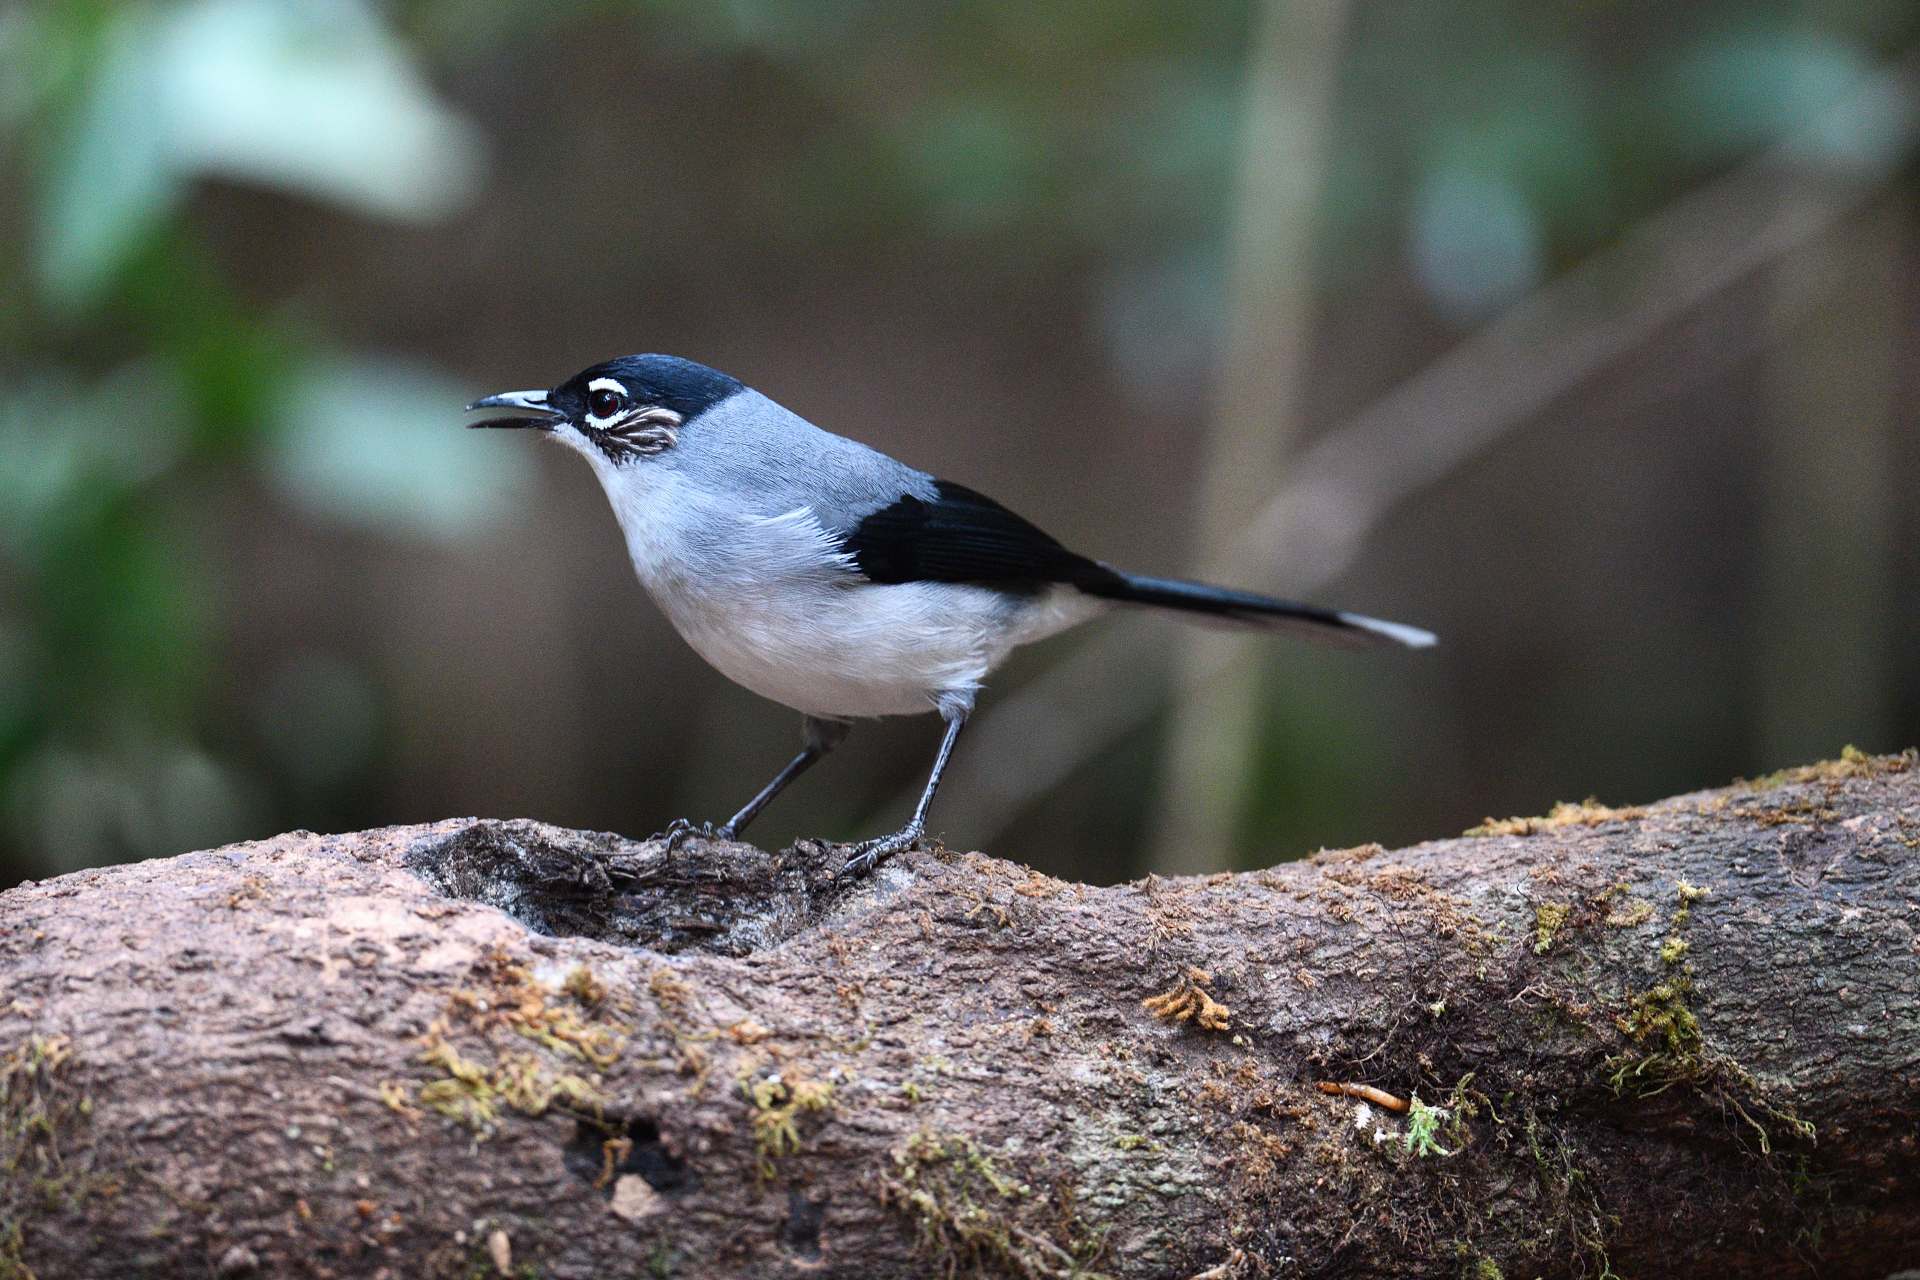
(1587, 335)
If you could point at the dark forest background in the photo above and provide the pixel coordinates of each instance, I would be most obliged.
(1584, 334)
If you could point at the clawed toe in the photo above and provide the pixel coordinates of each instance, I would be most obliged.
(860, 864)
(869, 854)
(680, 830)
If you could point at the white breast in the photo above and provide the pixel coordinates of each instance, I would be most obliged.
(771, 604)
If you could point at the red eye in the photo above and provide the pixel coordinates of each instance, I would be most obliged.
(604, 403)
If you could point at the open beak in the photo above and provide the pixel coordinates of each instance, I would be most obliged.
(531, 404)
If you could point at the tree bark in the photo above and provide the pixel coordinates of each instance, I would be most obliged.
(1655, 1041)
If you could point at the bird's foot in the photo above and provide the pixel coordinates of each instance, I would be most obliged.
(869, 854)
(680, 830)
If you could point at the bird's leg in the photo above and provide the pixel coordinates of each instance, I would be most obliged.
(822, 736)
(869, 854)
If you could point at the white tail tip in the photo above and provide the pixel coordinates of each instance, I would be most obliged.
(1412, 637)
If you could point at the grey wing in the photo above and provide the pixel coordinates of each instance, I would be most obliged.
(890, 522)
(769, 461)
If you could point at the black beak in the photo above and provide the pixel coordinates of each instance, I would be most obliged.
(533, 404)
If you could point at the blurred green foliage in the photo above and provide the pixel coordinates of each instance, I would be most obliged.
(138, 377)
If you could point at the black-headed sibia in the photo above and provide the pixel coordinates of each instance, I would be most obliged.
(828, 577)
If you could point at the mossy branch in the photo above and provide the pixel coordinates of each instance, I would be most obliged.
(1650, 1041)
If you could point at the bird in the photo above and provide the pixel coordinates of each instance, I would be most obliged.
(826, 576)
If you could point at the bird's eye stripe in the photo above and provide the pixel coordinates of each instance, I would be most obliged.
(606, 397)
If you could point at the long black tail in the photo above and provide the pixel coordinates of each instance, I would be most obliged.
(1243, 608)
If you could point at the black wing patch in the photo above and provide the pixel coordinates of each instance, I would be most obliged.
(963, 536)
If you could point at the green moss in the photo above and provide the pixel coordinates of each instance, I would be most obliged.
(1688, 894)
(540, 1034)
(968, 1213)
(1475, 1265)
(1464, 1105)
(1669, 1050)
(12, 1265)
(1853, 763)
(583, 986)
(1548, 919)
(466, 1093)
(44, 1169)
(1627, 914)
(1588, 813)
(473, 1090)
(1423, 1122)
(1660, 1020)
(777, 1106)
(515, 999)
(35, 1104)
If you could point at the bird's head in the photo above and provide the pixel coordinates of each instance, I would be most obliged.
(621, 412)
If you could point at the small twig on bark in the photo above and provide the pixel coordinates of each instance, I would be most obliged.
(1378, 1097)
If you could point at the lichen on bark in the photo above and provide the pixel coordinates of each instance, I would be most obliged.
(1651, 1041)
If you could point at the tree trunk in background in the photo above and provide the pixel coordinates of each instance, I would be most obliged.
(1665, 1041)
(1493, 383)
(1828, 514)
(1290, 94)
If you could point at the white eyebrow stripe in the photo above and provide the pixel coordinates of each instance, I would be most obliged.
(606, 384)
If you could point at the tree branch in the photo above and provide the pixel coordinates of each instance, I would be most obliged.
(1656, 1040)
